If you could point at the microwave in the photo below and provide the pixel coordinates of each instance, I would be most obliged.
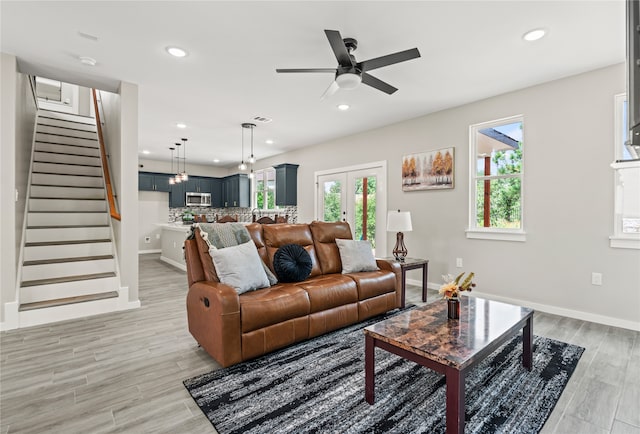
(198, 199)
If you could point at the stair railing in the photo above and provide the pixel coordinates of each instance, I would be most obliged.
(105, 162)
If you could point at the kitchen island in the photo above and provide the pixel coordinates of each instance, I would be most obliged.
(173, 236)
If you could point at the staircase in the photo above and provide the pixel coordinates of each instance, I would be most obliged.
(68, 255)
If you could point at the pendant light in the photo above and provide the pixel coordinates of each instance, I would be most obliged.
(172, 180)
(184, 174)
(242, 165)
(178, 177)
(252, 159)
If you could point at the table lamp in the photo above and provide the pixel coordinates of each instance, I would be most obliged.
(399, 222)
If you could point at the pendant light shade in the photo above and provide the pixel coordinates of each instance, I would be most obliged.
(178, 177)
(184, 174)
(251, 159)
(172, 180)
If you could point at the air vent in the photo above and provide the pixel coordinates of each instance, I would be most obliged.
(262, 119)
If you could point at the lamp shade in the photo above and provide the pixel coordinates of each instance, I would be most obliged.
(399, 221)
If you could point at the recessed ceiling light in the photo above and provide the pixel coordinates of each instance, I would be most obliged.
(176, 52)
(181, 125)
(343, 107)
(534, 35)
(88, 61)
(146, 152)
(216, 160)
(269, 142)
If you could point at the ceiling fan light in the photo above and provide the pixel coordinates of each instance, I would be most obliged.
(348, 80)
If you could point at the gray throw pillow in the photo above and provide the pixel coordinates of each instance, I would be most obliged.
(356, 255)
(240, 267)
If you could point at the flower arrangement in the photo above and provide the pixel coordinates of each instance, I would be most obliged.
(453, 287)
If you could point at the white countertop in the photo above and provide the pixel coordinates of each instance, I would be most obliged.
(178, 227)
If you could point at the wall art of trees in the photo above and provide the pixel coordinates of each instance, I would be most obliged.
(428, 170)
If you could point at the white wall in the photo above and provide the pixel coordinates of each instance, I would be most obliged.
(568, 197)
(192, 169)
(153, 208)
(17, 122)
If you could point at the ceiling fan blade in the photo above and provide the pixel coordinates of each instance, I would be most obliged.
(389, 59)
(333, 88)
(307, 70)
(377, 83)
(338, 47)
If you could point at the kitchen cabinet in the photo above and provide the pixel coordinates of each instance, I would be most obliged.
(236, 191)
(286, 184)
(198, 184)
(149, 181)
(177, 195)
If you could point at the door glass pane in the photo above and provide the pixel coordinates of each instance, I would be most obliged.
(365, 209)
(498, 203)
(332, 201)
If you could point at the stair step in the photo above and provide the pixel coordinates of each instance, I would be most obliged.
(53, 138)
(40, 191)
(64, 169)
(60, 154)
(77, 278)
(67, 234)
(59, 270)
(66, 242)
(58, 219)
(64, 260)
(67, 116)
(67, 149)
(67, 300)
(68, 145)
(67, 205)
(64, 131)
(67, 226)
(54, 251)
(66, 158)
(68, 180)
(53, 122)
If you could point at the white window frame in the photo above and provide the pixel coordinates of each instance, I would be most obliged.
(254, 189)
(619, 239)
(501, 234)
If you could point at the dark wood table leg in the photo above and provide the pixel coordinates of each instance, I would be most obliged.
(425, 269)
(455, 401)
(527, 344)
(369, 369)
(404, 286)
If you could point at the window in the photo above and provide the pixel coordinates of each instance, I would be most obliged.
(496, 173)
(264, 189)
(626, 231)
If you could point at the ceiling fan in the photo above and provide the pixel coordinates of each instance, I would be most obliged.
(350, 73)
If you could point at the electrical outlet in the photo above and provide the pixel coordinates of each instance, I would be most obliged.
(459, 262)
(596, 279)
(147, 240)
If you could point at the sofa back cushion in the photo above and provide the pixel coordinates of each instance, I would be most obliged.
(276, 236)
(324, 238)
(255, 231)
(205, 258)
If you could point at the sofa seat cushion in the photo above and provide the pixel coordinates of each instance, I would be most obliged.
(373, 283)
(329, 291)
(272, 305)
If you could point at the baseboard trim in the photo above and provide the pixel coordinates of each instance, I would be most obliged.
(555, 310)
(176, 264)
(144, 252)
(11, 317)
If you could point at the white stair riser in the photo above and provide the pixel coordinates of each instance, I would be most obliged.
(37, 253)
(67, 205)
(65, 169)
(65, 269)
(67, 234)
(43, 120)
(54, 291)
(71, 132)
(51, 138)
(66, 219)
(67, 149)
(67, 117)
(80, 181)
(65, 158)
(70, 192)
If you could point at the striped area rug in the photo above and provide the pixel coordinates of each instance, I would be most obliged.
(318, 386)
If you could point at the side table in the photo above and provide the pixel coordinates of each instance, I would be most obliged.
(412, 264)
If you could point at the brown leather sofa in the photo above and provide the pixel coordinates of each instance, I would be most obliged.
(233, 328)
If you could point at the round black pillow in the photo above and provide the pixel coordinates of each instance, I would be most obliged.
(292, 263)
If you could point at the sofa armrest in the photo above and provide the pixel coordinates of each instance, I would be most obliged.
(394, 267)
(213, 311)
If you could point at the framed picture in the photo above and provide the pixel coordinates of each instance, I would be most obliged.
(433, 170)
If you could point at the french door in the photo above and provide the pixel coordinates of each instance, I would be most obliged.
(356, 195)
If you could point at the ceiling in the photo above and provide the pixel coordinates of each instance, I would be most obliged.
(470, 51)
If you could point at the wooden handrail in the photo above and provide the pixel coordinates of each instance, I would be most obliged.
(105, 164)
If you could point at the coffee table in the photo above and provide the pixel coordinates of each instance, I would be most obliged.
(451, 347)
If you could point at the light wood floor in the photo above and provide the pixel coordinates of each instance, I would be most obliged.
(123, 372)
